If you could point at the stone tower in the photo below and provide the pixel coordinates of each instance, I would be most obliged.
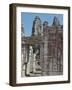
(36, 31)
(56, 21)
(37, 27)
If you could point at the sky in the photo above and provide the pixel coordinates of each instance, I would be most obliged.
(28, 18)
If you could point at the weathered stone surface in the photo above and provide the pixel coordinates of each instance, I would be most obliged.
(45, 57)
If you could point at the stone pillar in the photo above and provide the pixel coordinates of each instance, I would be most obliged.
(34, 63)
(45, 69)
(23, 60)
(42, 57)
(30, 61)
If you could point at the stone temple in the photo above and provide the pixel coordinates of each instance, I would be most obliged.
(42, 52)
